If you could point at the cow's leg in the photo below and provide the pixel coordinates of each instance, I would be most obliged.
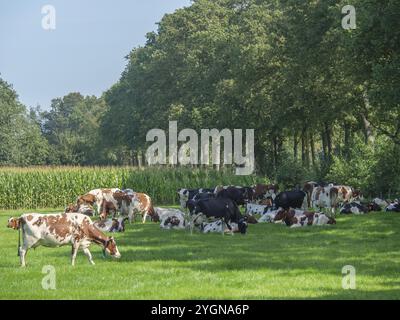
(145, 215)
(229, 226)
(22, 255)
(86, 251)
(75, 248)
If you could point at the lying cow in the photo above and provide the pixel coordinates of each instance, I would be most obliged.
(253, 209)
(171, 218)
(353, 208)
(296, 218)
(219, 208)
(393, 207)
(219, 227)
(85, 209)
(58, 230)
(111, 225)
(268, 216)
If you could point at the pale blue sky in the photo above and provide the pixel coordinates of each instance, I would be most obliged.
(86, 51)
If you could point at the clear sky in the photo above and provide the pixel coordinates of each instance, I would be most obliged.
(85, 53)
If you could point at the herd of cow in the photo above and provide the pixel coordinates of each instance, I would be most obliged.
(262, 203)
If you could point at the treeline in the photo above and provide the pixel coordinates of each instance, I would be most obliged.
(324, 101)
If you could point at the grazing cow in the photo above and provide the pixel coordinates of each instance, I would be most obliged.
(219, 227)
(325, 198)
(85, 209)
(59, 230)
(262, 191)
(393, 207)
(353, 208)
(111, 225)
(253, 209)
(290, 199)
(219, 208)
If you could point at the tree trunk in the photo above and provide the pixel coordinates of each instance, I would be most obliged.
(368, 131)
(312, 143)
(295, 146)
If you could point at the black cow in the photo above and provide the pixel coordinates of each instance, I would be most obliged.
(290, 199)
(219, 208)
(233, 193)
(204, 196)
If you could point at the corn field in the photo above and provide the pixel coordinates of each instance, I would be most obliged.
(56, 187)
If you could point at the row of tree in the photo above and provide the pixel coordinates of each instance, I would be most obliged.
(324, 101)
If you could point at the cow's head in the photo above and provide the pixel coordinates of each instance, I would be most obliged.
(14, 223)
(111, 248)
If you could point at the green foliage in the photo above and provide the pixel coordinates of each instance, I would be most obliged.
(372, 168)
(21, 141)
(59, 186)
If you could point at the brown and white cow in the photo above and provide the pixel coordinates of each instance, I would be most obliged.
(142, 204)
(97, 197)
(85, 209)
(263, 191)
(345, 194)
(296, 218)
(325, 198)
(58, 230)
(111, 225)
(308, 188)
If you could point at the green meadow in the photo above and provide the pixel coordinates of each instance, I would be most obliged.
(270, 262)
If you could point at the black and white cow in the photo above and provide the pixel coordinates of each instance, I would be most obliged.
(220, 208)
(236, 194)
(291, 199)
(353, 208)
(393, 207)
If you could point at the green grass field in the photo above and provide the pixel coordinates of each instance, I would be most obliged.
(271, 262)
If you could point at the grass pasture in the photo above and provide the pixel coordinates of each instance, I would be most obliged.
(271, 262)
